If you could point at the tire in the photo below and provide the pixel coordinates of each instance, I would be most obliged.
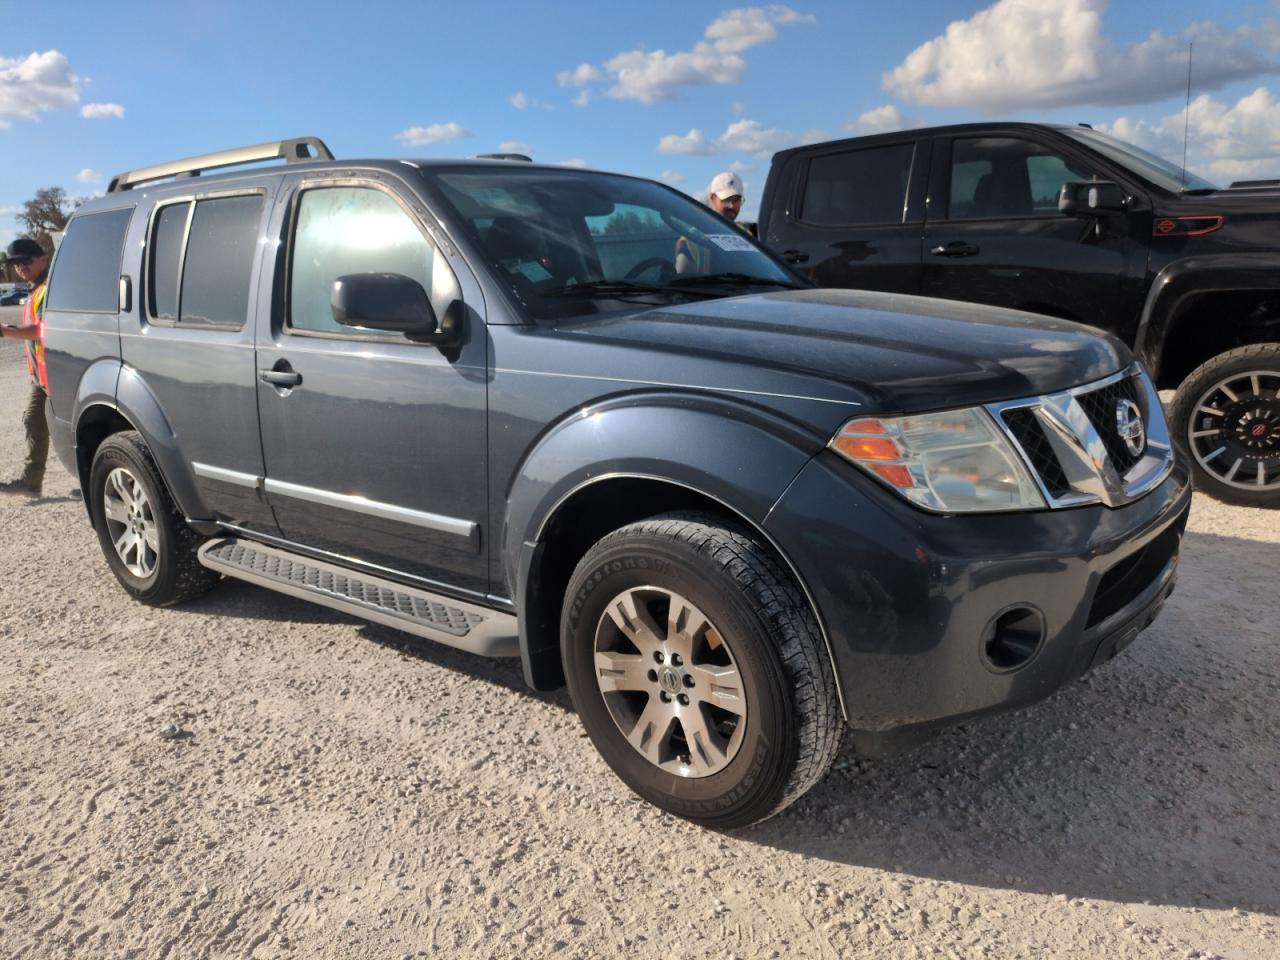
(1226, 418)
(708, 754)
(127, 497)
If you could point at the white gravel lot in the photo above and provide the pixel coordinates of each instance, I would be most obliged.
(341, 790)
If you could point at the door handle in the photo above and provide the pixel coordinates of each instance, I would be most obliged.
(281, 376)
(956, 248)
(795, 256)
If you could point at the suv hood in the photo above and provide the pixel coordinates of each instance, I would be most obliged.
(886, 352)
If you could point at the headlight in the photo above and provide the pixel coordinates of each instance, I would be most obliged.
(951, 462)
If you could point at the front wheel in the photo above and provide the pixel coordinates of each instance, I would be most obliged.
(1226, 416)
(699, 671)
(145, 538)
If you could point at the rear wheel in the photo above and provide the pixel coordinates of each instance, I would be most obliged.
(1226, 416)
(145, 538)
(699, 671)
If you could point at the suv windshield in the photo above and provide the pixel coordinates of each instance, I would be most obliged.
(570, 243)
(1157, 170)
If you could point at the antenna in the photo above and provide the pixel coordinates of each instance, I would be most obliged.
(1186, 118)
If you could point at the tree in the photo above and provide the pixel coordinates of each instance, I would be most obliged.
(47, 213)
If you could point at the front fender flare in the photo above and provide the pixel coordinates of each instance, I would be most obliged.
(1183, 279)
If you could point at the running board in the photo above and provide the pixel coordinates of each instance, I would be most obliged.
(479, 630)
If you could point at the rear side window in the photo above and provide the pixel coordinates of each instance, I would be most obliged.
(219, 260)
(87, 278)
(1000, 177)
(343, 230)
(861, 186)
(166, 259)
(205, 282)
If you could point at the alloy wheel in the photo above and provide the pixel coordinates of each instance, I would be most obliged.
(131, 522)
(1234, 431)
(670, 682)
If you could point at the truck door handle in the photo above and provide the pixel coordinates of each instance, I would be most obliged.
(795, 256)
(956, 248)
(281, 375)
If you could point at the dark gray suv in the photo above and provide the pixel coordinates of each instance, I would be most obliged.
(475, 401)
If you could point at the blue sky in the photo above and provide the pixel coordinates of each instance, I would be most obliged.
(675, 91)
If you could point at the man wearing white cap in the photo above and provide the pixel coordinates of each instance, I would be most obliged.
(724, 196)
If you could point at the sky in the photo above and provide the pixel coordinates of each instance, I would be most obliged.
(672, 91)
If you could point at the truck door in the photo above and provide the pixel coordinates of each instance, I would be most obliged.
(994, 234)
(849, 219)
(374, 445)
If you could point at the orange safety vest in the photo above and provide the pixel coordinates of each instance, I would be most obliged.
(33, 316)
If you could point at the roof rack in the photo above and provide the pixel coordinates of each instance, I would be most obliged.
(296, 150)
(503, 156)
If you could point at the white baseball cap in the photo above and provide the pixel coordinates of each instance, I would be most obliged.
(726, 185)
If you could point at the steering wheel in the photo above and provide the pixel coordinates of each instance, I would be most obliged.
(666, 269)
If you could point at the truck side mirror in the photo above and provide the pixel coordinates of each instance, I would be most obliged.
(1090, 198)
(393, 302)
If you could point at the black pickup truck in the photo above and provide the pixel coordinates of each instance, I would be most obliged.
(1072, 223)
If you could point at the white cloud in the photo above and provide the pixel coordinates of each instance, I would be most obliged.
(520, 100)
(1239, 141)
(753, 137)
(580, 76)
(576, 164)
(515, 146)
(102, 111)
(671, 176)
(582, 99)
(692, 143)
(738, 108)
(742, 136)
(814, 135)
(36, 84)
(436, 133)
(739, 166)
(1018, 54)
(653, 75)
(88, 175)
(883, 119)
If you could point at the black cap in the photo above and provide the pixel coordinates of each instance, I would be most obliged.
(23, 250)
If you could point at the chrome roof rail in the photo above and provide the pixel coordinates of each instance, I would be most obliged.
(296, 150)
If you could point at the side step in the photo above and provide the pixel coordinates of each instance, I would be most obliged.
(489, 633)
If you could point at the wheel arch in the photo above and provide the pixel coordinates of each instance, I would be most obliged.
(584, 515)
(1180, 326)
(130, 405)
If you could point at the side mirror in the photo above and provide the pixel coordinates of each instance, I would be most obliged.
(1090, 198)
(393, 302)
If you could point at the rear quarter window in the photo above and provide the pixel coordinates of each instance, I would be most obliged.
(86, 276)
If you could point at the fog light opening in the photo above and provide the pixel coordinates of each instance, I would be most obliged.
(1013, 638)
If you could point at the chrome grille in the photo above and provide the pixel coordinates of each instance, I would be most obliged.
(1071, 441)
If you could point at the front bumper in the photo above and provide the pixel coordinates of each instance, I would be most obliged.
(914, 605)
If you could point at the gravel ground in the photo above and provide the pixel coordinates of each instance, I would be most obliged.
(341, 790)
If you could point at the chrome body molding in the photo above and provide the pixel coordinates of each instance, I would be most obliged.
(1091, 475)
(223, 475)
(387, 511)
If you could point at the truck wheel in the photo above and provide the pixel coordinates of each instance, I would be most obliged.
(147, 543)
(699, 671)
(1226, 416)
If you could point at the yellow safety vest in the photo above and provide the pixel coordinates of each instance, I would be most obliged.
(33, 316)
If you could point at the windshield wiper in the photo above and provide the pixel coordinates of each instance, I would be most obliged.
(730, 280)
(603, 288)
(616, 288)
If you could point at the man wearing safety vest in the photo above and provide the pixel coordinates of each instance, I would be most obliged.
(32, 264)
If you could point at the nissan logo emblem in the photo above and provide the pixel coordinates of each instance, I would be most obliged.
(1129, 426)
